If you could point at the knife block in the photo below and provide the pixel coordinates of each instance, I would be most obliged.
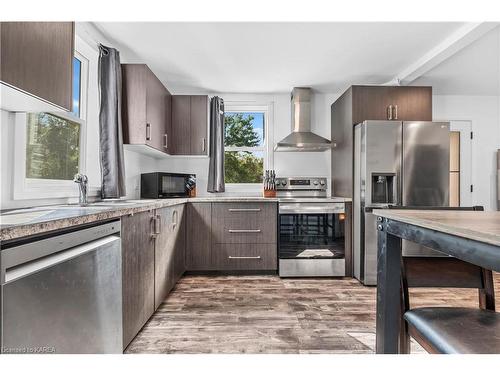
(269, 193)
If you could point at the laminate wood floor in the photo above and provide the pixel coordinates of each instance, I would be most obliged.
(266, 314)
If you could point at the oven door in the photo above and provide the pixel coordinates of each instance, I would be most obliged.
(311, 240)
(173, 185)
(318, 236)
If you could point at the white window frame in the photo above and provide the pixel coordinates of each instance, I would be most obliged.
(252, 107)
(35, 188)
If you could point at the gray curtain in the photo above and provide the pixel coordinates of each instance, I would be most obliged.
(110, 124)
(216, 167)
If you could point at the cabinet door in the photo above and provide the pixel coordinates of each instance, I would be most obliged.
(179, 227)
(156, 111)
(199, 124)
(168, 127)
(137, 273)
(244, 223)
(37, 57)
(370, 103)
(134, 83)
(199, 238)
(164, 255)
(181, 124)
(414, 103)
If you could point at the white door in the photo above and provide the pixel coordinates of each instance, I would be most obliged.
(465, 129)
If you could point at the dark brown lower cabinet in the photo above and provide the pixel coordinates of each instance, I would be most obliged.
(164, 255)
(246, 257)
(138, 272)
(169, 251)
(199, 237)
(180, 241)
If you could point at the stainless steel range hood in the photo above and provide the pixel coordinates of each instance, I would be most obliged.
(301, 138)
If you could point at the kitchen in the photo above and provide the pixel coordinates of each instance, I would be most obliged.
(153, 204)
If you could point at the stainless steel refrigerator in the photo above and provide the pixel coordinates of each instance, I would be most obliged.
(395, 164)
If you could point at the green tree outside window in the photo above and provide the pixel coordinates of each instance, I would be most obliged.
(52, 147)
(241, 130)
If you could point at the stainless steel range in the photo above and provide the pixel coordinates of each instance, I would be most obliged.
(311, 229)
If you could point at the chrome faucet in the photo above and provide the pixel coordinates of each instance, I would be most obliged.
(82, 181)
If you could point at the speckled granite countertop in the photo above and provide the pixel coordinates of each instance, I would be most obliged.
(18, 223)
(477, 225)
(25, 222)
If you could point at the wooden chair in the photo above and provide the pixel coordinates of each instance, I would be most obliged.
(449, 329)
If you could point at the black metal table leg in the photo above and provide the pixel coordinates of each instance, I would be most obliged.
(388, 291)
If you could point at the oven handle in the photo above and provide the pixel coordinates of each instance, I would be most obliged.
(310, 210)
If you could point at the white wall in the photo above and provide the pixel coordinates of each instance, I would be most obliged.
(483, 112)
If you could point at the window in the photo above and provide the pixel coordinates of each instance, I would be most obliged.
(245, 146)
(52, 144)
(53, 141)
(52, 147)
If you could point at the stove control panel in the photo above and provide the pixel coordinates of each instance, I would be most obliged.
(301, 183)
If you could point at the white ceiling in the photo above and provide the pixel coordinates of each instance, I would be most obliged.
(474, 70)
(273, 57)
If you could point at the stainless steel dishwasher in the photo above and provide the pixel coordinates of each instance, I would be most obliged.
(63, 293)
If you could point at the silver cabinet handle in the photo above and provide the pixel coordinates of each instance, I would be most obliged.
(148, 131)
(231, 257)
(175, 215)
(166, 140)
(203, 144)
(389, 112)
(395, 112)
(158, 224)
(243, 209)
(244, 230)
(154, 224)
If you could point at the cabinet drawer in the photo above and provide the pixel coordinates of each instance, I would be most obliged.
(247, 257)
(244, 223)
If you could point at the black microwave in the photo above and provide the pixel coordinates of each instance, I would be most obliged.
(167, 185)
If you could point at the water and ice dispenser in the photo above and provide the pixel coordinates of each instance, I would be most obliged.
(384, 188)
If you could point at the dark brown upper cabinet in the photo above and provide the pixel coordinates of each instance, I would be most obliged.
(189, 124)
(37, 57)
(145, 109)
(405, 103)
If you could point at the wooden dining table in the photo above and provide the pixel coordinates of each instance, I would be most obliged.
(471, 236)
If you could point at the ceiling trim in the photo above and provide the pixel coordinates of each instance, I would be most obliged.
(461, 38)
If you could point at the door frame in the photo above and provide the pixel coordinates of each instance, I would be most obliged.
(465, 129)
